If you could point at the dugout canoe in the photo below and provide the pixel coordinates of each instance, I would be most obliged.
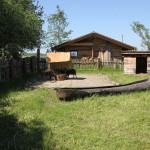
(72, 93)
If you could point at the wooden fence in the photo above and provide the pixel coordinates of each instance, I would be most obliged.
(16, 68)
(84, 65)
(94, 64)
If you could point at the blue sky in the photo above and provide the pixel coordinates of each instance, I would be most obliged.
(111, 18)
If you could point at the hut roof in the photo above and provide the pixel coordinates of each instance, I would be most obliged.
(95, 35)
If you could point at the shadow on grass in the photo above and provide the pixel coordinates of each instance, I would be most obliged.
(16, 135)
(15, 85)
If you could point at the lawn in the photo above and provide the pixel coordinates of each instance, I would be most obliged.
(37, 119)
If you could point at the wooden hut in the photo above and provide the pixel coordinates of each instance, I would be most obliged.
(136, 62)
(94, 45)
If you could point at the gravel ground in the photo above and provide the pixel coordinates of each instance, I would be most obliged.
(82, 80)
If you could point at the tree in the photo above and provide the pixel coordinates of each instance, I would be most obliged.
(20, 26)
(143, 32)
(57, 24)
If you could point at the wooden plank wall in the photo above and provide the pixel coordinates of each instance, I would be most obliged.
(116, 53)
(83, 51)
(148, 65)
(86, 51)
(130, 65)
(99, 44)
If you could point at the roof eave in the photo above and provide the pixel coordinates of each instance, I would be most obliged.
(123, 45)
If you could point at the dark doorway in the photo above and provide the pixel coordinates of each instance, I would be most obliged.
(141, 64)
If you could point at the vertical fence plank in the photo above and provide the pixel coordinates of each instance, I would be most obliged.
(98, 63)
(12, 69)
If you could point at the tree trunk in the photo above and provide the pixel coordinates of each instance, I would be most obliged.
(72, 93)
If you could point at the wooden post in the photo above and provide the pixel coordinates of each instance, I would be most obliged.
(38, 59)
(32, 62)
(49, 66)
(103, 59)
(92, 52)
(99, 53)
(12, 69)
(24, 66)
(98, 61)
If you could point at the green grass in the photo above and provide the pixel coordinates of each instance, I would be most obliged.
(88, 71)
(119, 77)
(37, 119)
(116, 75)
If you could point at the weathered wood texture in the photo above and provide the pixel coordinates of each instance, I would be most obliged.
(4, 71)
(148, 65)
(84, 65)
(72, 93)
(84, 49)
(12, 69)
(130, 65)
(116, 53)
(94, 64)
(136, 62)
(53, 57)
(59, 65)
(38, 59)
(61, 77)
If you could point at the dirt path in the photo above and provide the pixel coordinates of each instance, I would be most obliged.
(82, 80)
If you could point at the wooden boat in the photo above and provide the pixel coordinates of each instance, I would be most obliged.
(72, 93)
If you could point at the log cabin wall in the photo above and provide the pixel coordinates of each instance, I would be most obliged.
(99, 45)
(116, 53)
(84, 49)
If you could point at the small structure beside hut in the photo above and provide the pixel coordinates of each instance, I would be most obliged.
(94, 45)
(58, 60)
(136, 62)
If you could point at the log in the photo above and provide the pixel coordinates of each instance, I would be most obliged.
(72, 93)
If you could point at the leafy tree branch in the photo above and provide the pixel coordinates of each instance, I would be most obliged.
(57, 24)
(143, 32)
(20, 26)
